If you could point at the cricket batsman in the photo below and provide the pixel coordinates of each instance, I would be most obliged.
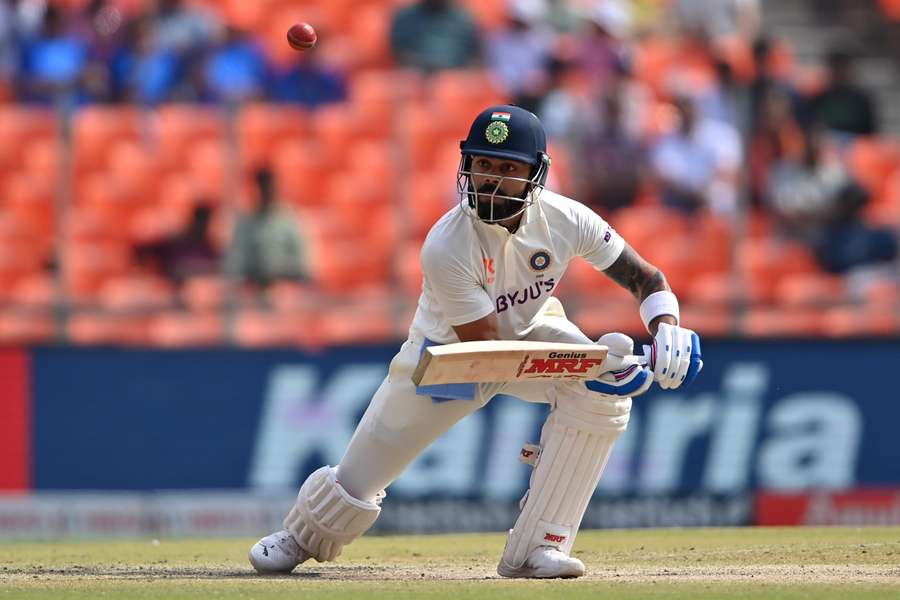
(490, 267)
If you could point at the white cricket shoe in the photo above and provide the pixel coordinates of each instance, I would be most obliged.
(544, 562)
(277, 553)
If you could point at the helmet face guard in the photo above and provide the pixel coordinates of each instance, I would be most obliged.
(504, 132)
(489, 203)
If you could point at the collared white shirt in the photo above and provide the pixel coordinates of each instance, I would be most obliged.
(471, 268)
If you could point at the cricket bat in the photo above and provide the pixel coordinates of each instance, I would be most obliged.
(502, 361)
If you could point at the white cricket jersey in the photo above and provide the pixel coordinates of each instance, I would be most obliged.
(471, 268)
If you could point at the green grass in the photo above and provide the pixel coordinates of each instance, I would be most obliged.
(832, 563)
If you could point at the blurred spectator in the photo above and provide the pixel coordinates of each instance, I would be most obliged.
(604, 44)
(183, 30)
(9, 37)
(843, 106)
(613, 158)
(103, 25)
(308, 81)
(696, 165)
(142, 72)
(717, 19)
(266, 245)
(54, 61)
(563, 17)
(236, 70)
(185, 254)
(777, 136)
(725, 100)
(518, 52)
(562, 103)
(188, 33)
(432, 35)
(764, 81)
(817, 203)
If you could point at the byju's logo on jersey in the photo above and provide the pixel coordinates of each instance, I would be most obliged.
(539, 261)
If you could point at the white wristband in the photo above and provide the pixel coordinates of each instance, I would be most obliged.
(657, 304)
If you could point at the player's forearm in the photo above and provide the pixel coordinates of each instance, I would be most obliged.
(637, 275)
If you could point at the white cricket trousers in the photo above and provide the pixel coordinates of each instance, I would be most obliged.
(398, 424)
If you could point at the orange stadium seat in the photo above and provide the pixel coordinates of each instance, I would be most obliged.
(334, 132)
(373, 167)
(41, 159)
(134, 171)
(211, 170)
(247, 16)
(366, 321)
(301, 173)
(30, 199)
(871, 160)
(36, 290)
(374, 96)
(708, 321)
(456, 96)
(639, 224)
(96, 128)
(346, 266)
(255, 328)
(154, 222)
(882, 294)
(777, 322)
(768, 261)
(488, 14)
(369, 28)
(409, 269)
(809, 289)
(848, 321)
(582, 281)
(428, 198)
(95, 221)
(291, 297)
(177, 127)
(885, 209)
(262, 127)
(89, 263)
(20, 125)
(597, 317)
(103, 329)
(723, 290)
(136, 292)
(423, 135)
(203, 293)
(17, 327)
(183, 329)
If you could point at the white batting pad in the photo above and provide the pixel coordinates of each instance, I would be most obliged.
(326, 518)
(576, 442)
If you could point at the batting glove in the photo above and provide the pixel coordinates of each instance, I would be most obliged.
(675, 356)
(627, 382)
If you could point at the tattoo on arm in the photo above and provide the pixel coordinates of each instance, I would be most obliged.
(636, 275)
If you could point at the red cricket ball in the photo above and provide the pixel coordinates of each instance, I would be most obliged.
(301, 36)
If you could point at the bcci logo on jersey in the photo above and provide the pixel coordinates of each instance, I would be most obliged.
(539, 261)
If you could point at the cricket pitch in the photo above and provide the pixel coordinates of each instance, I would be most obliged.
(821, 563)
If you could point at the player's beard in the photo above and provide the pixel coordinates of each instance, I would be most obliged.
(503, 207)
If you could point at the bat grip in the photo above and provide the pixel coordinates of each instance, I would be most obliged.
(617, 363)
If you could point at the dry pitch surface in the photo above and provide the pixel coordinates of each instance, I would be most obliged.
(680, 563)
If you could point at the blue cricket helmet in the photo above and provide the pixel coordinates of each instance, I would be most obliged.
(507, 131)
(510, 132)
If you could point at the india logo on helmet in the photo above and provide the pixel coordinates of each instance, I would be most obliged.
(497, 132)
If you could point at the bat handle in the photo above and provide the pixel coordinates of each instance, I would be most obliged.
(617, 363)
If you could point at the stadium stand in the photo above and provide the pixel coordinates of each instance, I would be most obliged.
(366, 178)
